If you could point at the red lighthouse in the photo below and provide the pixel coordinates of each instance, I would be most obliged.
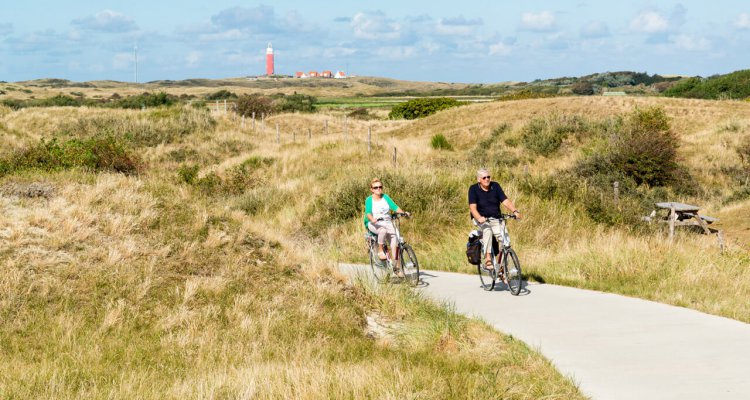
(269, 60)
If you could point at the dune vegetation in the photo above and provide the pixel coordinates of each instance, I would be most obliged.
(166, 254)
(208, 269)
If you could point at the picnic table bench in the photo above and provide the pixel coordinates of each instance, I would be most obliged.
(680, 214)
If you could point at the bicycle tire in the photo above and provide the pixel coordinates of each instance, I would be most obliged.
(380, 269)
(487, 277)
(409, 265)
(514, 277)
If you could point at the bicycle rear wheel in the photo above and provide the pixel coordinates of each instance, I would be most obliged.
(380, 268)
(488, 277)
(513, 272)
(409, 265)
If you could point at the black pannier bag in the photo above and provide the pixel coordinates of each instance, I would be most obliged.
(474, 248)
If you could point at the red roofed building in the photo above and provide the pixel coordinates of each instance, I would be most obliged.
(313, 74)
(340, 75)
(326, 74)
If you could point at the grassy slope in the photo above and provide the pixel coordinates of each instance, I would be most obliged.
(147, 287)
(557, 242)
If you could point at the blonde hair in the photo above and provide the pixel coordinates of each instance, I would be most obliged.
(375, 180)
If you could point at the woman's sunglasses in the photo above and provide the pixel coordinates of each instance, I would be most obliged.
(377, 187)
(486, 177)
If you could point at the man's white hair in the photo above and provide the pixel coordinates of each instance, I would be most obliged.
(482, 171)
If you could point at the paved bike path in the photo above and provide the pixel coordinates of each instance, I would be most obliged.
(614, 347)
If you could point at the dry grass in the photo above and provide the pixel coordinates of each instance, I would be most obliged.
(147, 287)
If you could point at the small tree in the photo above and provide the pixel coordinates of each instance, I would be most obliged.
(249, 104)
(582, 88)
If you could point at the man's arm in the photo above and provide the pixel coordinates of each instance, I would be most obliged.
(475, 214)
(512, 207)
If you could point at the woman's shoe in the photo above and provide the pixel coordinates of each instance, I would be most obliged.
(382, 256)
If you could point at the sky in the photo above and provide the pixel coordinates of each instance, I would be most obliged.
(441, 41)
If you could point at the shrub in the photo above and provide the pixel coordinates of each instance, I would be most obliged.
(296, 103)
(544, 136)
(188, 173)
(735, 85)
(439, 142)
(144, 100)
(582, 88)
(249, 104)
(222, 94)
(420, 108)
(101, 153)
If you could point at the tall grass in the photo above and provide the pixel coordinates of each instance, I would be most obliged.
(147, 286)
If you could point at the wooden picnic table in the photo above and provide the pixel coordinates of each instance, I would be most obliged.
(681, 214)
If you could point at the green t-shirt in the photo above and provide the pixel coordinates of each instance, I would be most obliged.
(368, 206)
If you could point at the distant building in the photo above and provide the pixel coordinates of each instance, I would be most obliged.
(300, 74)
(313, 74)
(340, 75)
(326, 74)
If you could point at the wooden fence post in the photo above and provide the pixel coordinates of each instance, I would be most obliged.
(616, 185)
(243, 121)
(278, 135)
(394, 157)
(326, 126)
(309, 134)
(225, 106)
(672, 220)
(345, 128)
(369, 139)
(253, 120)
(262, 122)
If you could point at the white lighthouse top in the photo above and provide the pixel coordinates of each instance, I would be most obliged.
(269, 50)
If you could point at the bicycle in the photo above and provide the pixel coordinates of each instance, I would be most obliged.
(405, 261)
(508, 269)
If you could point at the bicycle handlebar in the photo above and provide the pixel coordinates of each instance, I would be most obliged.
(504, 216)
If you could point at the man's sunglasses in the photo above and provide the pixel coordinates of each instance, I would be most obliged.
(486, 177)
(377, 187)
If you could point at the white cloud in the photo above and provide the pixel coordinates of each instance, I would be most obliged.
(232, 34)
(691, 43)
(500, 49)
(193, 58)
(595, 29)
(649, 22)
(541, 22)
(457, 26)
(743, 21)
(375, 26)
(396, 52)
(123, 61)
(107, 21)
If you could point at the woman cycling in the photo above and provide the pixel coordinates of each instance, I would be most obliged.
(378, 207)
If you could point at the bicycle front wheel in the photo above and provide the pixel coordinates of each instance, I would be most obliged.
(409, 265)
(513, 272)
(380, 269)
(487, 276)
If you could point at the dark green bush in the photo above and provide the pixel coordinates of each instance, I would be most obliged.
(101, 153)
(296, 103)
(249, 104)
(420, 108)
(148, 100)
(439, 142)
(188, 173)
(735, 85)
(361, 113)
(544, 136)
(222, 94)
(582, 88)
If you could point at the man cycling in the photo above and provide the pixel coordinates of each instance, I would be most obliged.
(485, 198)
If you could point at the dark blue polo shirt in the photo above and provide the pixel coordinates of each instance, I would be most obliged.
(488, 203)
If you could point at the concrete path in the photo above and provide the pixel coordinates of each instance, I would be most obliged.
(614, 347)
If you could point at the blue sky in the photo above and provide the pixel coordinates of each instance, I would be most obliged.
(447, 41)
